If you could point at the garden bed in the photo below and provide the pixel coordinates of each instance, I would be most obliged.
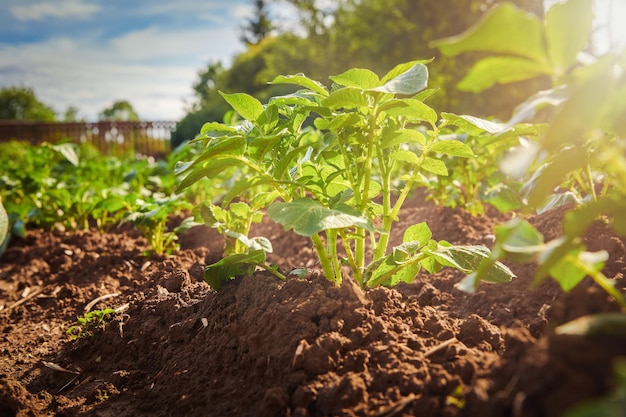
(264, 347)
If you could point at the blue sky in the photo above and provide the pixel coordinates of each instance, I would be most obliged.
(89, 54)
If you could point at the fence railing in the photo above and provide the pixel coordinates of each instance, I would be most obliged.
(110, 137)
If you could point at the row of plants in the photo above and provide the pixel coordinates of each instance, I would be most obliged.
(335, 163)
(72, 187)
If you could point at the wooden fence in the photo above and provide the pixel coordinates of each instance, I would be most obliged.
(146, 138)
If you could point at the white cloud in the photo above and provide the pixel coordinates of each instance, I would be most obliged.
(242, 11)
(54, 9)
(153, 69)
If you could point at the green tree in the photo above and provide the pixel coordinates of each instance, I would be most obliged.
(379, 34)
(20, 103)
(121, 110)
(72, 115)
(259, 26)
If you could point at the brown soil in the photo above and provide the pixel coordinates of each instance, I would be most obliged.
(263, 347)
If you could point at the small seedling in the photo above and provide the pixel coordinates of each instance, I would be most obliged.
(86, 325)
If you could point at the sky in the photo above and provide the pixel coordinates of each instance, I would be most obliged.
(91, 53)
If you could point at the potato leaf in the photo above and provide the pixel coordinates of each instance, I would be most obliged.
(247, 106)
(232, 266)
(347, 98)
(505, 29)
(452, 148)
(4, 223)
(308, 217)
(568, 27)
(357, 77)
(410, 82)
(436, 166)
(302, 81)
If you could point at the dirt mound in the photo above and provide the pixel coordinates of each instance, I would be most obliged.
(264, 347)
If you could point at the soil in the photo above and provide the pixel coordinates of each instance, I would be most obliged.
(300, 347)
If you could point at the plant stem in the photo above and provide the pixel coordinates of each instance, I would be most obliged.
(605, 283)
(324, 260)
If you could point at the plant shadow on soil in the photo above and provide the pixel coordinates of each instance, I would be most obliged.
(263, 347)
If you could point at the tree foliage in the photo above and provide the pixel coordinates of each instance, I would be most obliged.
(21, 103)
(259, 26)
(376, 34)
(121, 110)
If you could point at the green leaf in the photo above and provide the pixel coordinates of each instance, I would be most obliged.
(501, 70)
(436, 166)
(410, 82)
(399, 137)
(215, 129)
(347, 98)
(308, 217)
(559, 200)
(474, 125)
(419, 232)
(504, 198)
(228, 145)
(388, 272)
(505, 29)
(4, 224)
(111, 204)
(468, 258)
(240, 264)
(568, 29)
(452, 148)
(602, 324)
(413, 110)
(554, 173)
(572, 268)
(553, 253)
(402, 68)
(215, 168)
(337, 122)
(68, 150)
(589, 107)
(356, 77)
(247, 106)
(519, 240)
(577, 221)
(302, 81)
(405, 156)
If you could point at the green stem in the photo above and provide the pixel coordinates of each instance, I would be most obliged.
(591, 185)
(605, 283)
(323, 257)
(272, 270)
(331, 250)
(380, 247)
(382, 278)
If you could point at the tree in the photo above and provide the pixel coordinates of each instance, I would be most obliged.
(121, 110)
(20, 103)
(72, 115)
(258, 27)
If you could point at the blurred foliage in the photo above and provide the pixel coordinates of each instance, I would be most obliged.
(259, 26)
(373, 34)
(120, 110)
(21, 103)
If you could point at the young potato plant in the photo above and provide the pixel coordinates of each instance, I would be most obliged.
(581, 156)
(344, 183)
(87, 325)
(151, 218)
(474, 182)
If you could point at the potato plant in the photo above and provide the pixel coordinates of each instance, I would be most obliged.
(72, 187)
(336, 165)
(579, 158)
